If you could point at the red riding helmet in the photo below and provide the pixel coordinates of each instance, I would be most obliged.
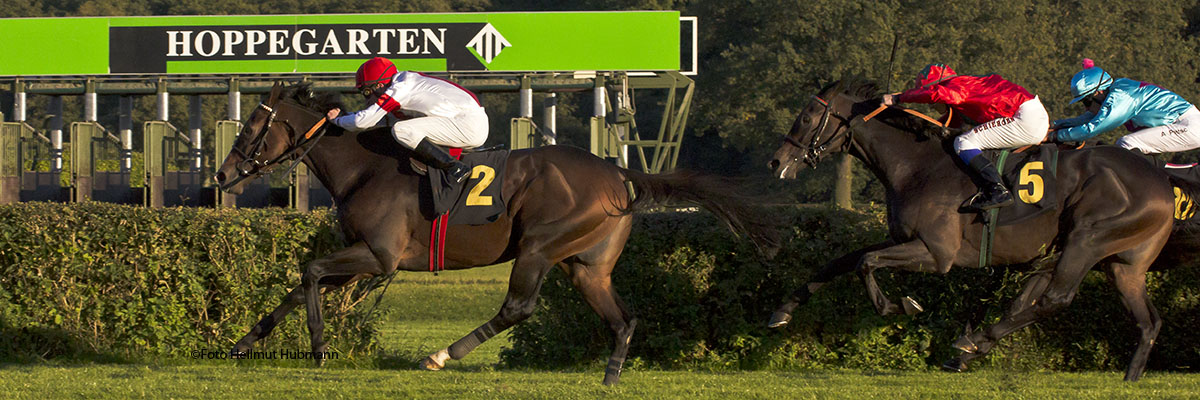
(373, 71)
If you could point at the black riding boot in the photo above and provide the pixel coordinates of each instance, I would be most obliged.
(992, 192)
(437, 157)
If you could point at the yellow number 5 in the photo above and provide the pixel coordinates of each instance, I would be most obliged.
(489, 174)
(1036, 185)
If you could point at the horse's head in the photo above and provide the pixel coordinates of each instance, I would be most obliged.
(821, 129)
(283, 127)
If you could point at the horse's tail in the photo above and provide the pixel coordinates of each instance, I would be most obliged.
(741, 212)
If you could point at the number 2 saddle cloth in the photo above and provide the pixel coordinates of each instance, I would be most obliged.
(478, 200)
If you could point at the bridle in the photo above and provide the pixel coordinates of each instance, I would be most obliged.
(258, 142)
(812, 152)
(251, 166)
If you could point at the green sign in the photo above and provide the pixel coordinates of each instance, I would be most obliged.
(550, 41)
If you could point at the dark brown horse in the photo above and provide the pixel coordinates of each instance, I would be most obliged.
(565, 207)
(1114, 210)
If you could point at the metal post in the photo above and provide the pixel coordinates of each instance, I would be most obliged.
(526, 93)
(56, 134)
(225, 138)
(125, 128)
(599, 127)
(89, 101)
(82, 158)
(550, 104)
(235, 101)
(163, 102)
(19, 101)
(153, 152)
(599, 101)
(194, 124)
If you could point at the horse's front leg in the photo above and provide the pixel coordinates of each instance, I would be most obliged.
(264, 326)
(345, 266)
(910, 256)
(840, 266)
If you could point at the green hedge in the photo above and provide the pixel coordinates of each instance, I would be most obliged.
(702, 298)
(109, 281)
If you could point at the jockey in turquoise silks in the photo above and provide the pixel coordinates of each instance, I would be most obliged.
(1159, 120)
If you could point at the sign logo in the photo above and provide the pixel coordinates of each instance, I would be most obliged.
(488, 43)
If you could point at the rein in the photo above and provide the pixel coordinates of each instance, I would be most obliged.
(945, 126)
(814, 149)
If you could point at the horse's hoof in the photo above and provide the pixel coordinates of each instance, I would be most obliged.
(954, 365)
(319, 353)
(435, 361)
(779, 319)
(965, 344)
(239, 352)
(911, 306)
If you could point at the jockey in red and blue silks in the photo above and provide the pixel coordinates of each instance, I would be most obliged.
(423, 112)
(1007, 114)
(1160, 120)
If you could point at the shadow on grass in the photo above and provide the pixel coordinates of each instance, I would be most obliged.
(30, 345)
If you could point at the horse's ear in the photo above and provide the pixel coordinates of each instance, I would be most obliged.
(276, 91)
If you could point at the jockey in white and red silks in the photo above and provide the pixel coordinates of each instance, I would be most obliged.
(423, 112)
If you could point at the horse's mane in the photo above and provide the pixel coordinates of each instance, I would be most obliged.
(303, 94)
(868, 96)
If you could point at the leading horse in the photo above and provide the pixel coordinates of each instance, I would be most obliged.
(1114, 210)
(565, 207)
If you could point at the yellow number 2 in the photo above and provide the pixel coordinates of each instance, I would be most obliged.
(1036, 185)
(489, 174)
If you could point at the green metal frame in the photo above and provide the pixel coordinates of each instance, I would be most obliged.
(12, 159)
(83, 163)
(618, 129)
(227, 131)
(159, 141)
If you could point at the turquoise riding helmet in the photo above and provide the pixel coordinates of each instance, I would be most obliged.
(1088, 81)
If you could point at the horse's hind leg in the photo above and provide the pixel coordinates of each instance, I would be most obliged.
(524, 283)
(1043, 294)
(1131, 282)
(591, 273)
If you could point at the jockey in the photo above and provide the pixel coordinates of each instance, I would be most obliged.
(423, 111)
(1160, 120)
(1008, 116)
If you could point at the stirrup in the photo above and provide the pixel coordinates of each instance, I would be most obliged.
(458, 172)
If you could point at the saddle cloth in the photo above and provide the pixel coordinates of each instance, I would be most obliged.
(1185, 205)
(1030, 176)
(477, 200)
